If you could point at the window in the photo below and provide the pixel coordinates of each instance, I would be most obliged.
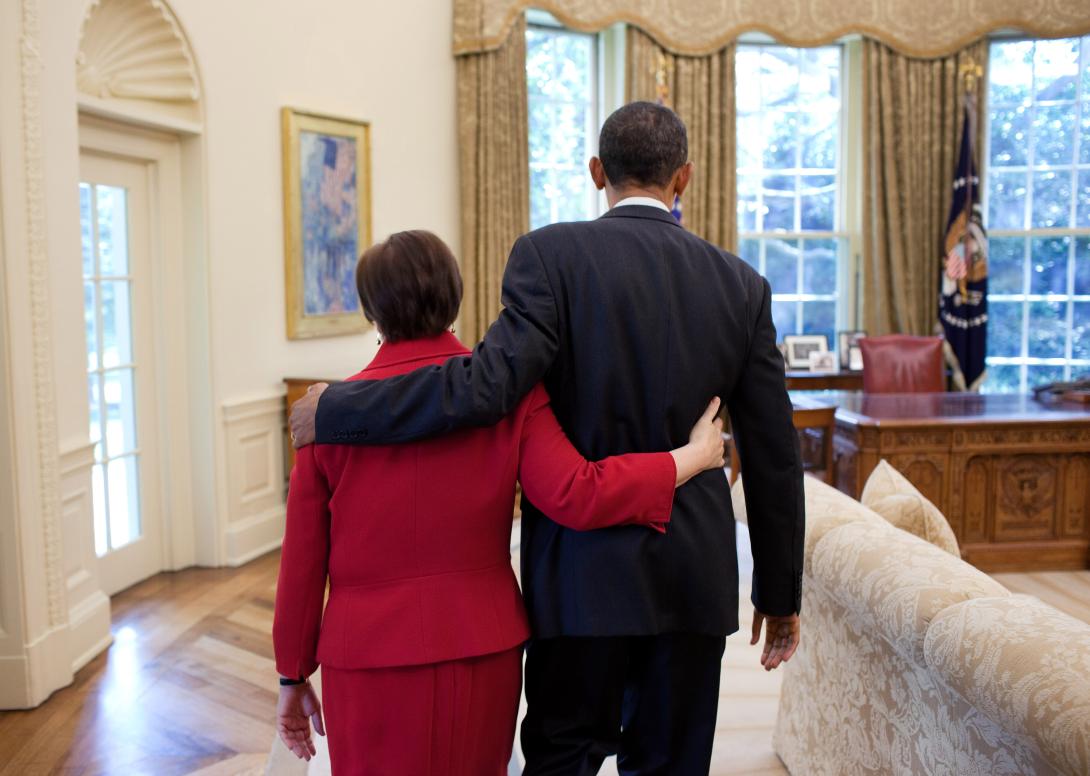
(789, 181)
(107, 311)
(1037, 198)
(562, 81)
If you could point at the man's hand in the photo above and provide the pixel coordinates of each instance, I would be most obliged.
(781, 638)
(297, 708)
(302, 416)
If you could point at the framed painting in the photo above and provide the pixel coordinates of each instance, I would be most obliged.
(327, 221)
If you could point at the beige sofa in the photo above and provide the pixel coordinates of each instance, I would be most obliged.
(914, 662)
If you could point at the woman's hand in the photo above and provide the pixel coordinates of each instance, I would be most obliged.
(705, 449)
(297, 708)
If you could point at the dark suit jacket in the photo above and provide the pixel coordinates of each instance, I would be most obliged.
(634, 324)
(416, 539)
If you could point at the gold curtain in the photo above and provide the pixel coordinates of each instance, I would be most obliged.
(922, 28)
(495, 176)
(701, 91)
(912, 124)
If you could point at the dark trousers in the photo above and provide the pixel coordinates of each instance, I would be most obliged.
(651, 700)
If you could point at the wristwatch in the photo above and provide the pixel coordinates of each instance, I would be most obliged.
(286, 682)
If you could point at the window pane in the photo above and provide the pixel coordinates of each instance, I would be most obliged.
(1047, 329)
(113, 236)
(748, 186)
(1048, 265)
(1054, 135)
(1010, 72)
(1051, 199)
(783, 318)
(98, 498)
(1056, 69)
(818, 135)
(782, 265)
(751, 141)
(116, 322)
(1082, 203)
(779, 75)
(1009, 135)
(1003, 378)
(562, 105)
(819, 318)
(1006, 200)
(819, 267)
(86, 230)
(1039, 374)
(1082, 265)
(120, 412)
(94, 386)
(1080, 331)
(778, 128)
(779, 199)
(750, 252)
(90, 325)
(1004, 329)
(818, 202)
(1084, 148)
(124, 501)
(1006, 262)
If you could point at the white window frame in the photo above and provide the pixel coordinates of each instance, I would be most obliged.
(1071, 367)
(849, 211)
(603, 80)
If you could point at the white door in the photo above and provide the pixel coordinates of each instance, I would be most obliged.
(118, 294)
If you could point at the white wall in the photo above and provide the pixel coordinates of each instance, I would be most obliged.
(387, 63)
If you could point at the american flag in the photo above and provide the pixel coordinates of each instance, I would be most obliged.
(963, 300)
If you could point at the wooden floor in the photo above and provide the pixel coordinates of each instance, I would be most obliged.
(189, 685)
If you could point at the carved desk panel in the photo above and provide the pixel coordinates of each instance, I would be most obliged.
(1011, 475)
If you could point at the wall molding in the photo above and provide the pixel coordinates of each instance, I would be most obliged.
(41, 317)
(135, 50)
(253, 434)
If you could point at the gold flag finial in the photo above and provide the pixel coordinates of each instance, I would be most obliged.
(663, 68)
(970, 71)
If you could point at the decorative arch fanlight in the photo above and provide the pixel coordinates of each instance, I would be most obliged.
(135, 49)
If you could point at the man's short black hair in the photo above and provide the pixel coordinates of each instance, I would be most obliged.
(643, 143)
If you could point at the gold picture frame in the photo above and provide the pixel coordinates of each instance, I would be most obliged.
(327, 221)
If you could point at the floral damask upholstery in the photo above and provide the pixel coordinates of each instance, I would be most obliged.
(890, 494)
(913, 662)
(1034, 679)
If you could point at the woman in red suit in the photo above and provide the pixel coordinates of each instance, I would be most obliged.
(420, 641)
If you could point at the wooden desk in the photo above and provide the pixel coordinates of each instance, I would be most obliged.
(803, 380)
(297, 387)
(1010, 474)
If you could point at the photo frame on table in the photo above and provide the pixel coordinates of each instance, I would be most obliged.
(823, 362)
(327, 221)
(800, 346)
(851, 355)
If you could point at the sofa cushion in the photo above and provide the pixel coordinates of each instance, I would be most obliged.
(1025, 665)
(890, 494)
(895, 580)
(918, 516)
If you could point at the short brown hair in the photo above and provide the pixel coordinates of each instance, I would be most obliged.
(409, 285)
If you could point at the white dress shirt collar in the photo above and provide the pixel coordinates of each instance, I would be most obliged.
(645, 201)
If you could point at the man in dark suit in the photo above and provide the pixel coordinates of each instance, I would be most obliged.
(632, 323)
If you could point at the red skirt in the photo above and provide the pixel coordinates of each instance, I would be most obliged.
(455, 718)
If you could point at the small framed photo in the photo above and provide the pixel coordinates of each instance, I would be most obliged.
(823, 362)
(800, 346)
(846, 342)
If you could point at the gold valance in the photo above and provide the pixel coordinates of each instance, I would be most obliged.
(918, 28)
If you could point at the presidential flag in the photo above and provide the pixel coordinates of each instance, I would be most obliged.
(963, 302)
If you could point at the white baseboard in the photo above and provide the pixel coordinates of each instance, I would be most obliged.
(89, 629)
(250, 538)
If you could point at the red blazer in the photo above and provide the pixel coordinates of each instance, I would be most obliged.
(415, 538)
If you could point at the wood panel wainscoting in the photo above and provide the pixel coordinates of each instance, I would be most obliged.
(1011, 475)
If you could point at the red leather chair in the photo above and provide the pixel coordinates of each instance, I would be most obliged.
(898, 363)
